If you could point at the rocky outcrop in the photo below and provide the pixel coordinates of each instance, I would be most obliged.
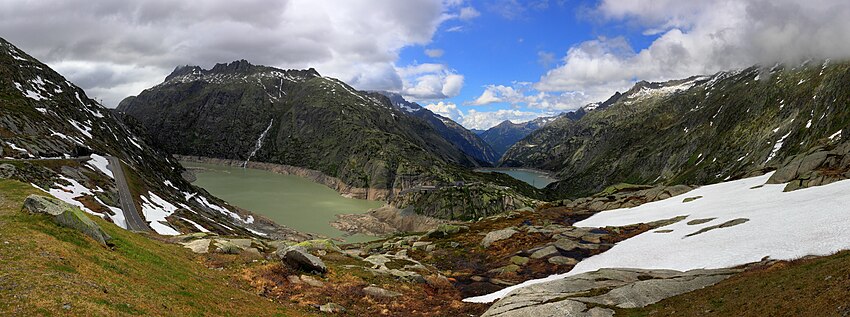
(589, 294)
(375, 291)
(819, 166)
(66, 215)
(462, 202)
(623, 196)
(385, 220)
(497, 235)
(299, 258)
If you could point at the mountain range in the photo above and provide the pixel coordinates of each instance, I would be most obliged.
(699, 130)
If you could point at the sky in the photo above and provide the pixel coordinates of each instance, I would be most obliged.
(476, 62)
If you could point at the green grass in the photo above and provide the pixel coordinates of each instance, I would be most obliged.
(810, 287)
(44, 267)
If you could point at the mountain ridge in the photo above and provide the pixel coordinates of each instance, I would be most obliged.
(698, 130)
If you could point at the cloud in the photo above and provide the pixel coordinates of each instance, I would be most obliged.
(545, 59)
(429, 82)
(475, 119)
(522, 94)
(701, 37)
(487, 119)
(468, 13)
(110, 44)
(448, 110)
(434, 52)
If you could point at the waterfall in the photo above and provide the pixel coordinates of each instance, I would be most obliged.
(259, 143)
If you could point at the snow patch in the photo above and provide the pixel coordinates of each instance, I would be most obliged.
(155, 209)
(781, 225)
(199, 227)
(99, 163)
(776, 147)
(84, 129)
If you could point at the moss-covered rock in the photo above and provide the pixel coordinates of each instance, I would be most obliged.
(66, 215)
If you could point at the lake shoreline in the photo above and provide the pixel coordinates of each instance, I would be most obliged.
(528, 175)
(348, 191)
(521, 169)
(298, 202)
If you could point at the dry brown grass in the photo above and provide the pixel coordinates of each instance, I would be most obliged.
(806, 287)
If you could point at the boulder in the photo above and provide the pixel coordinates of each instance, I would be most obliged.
(623, 288)
(546, 251)
(319, 244)
(812, 161)
(519, 260)
(7, 170)
(242, 243)
(299, 258)
(309, 280)
(379, 292)
(294, 279)
(331, 308)
(445, 230)
(497, 235)
(566, 245)
(510, 268)
(66, 215)
(198, 246)
(226, 247)
(562, 260)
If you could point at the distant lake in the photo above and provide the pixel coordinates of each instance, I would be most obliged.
(288, 200)
(532, 177)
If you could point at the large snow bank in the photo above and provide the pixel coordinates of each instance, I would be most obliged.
(782, 225)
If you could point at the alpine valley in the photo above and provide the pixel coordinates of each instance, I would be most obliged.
(718, 194)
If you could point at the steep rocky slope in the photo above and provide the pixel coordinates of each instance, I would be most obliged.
(469, 142)
(699, 130)
(502, 136)
(56, 138)
(247, 112)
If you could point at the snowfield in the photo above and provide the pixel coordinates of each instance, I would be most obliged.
(155, 209)
(99, 163)
(780, 225)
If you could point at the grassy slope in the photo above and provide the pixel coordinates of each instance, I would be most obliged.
(44, 267)
(809, 287)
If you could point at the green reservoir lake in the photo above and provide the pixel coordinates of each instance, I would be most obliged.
(532, 177)
(288, 200)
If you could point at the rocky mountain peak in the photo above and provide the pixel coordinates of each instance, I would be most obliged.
(240, 66)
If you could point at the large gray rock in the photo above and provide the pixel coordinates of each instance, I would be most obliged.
(545, 252)
(198, 246)
(66, 215)
(624, 288)
(332, 308)
(298, 257)
(497, 235)
(375, 291)
(7, 170)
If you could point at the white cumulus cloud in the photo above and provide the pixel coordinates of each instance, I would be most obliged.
(116, 47)
(702, 37)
